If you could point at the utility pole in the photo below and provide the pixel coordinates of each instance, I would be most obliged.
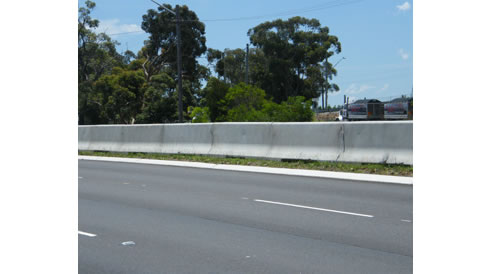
(180, 83)
(344, 106)
(324, 87)
(325, 98)
(326, 75)
(178, 46)
(247, 64)
(224, 61)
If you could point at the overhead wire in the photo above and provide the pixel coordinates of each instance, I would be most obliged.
(330, 4)
(120, 33)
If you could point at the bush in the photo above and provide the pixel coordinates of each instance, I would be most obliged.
(247, 103)
(200, 115)
(215, 93)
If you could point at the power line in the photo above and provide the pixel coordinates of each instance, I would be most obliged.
(331, 4)
(328, 5)
(119, 33)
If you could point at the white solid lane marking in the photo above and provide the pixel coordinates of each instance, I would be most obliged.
(408, 221)
(87, 234)
(80, 177)
(315, 208)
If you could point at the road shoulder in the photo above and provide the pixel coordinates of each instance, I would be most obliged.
(267, 170)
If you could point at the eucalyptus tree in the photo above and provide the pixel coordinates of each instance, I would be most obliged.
(294, 50)
(161, 46)
(97, 56)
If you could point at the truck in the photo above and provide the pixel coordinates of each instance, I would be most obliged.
(399, 109)
(365, 109)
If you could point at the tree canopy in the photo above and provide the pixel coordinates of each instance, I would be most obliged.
(288, 66)
(97, 56)
(294, 49)
(161, 47)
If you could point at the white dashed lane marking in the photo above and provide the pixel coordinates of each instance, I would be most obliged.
(87, 234)
(315, 208)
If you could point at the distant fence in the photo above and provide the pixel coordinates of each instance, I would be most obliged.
(366, 142)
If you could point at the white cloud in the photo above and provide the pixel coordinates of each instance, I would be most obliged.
(113, 26)
(354, 89)
(385, 87)
(404, 55)
(403, 7)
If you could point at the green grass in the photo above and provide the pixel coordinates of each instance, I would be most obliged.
(383, 169)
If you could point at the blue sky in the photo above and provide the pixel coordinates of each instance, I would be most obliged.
(376, 35)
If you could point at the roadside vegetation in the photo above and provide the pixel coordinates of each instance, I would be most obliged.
(288, 66)
(381, 169)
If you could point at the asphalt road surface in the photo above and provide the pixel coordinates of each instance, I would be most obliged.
(137, 218)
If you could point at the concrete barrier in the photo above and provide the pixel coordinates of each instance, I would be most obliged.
(314, 141)
(242, 139)
(378, 142)
(368, 142)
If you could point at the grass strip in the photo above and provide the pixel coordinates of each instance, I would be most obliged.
(381, 169)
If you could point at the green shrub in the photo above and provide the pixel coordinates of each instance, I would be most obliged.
(199, 115)
(247, 103)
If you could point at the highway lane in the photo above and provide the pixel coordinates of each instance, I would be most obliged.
(189, 220)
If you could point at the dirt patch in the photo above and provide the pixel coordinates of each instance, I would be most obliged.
(327, 116)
